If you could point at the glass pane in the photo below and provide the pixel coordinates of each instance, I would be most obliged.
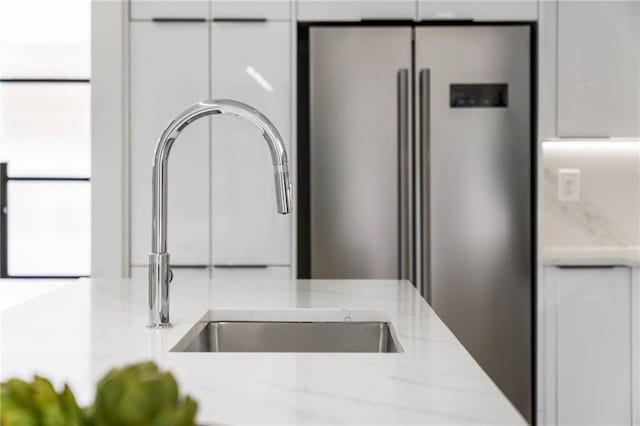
(45, 38)
(48, 228)
(45, 129)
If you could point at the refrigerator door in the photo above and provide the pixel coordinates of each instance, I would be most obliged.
(474, 95)
(359, 151)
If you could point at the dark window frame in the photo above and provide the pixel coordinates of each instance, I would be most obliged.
(4, 214)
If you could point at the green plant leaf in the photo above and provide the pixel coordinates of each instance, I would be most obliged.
(134, 395)
(141, 394)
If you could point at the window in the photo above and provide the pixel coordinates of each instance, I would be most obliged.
(45, 138)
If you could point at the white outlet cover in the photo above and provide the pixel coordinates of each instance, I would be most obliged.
(569, 185)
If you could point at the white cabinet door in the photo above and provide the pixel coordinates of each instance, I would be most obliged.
(593, 338)
(255, 69)
(164, 9)
(251, 9)
(227, 274)
(478, 10)
(142, 273)
(355, 10)
(165, 78)
(251, 274)
(635, 349)
(598, 68)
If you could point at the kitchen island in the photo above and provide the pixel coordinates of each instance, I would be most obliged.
(78, 332)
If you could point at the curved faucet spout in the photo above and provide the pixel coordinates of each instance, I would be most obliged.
(188, 116)
(159, 272)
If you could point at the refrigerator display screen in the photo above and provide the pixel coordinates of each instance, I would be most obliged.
(479, 95)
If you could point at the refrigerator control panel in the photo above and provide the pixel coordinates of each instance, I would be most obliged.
(479, 95)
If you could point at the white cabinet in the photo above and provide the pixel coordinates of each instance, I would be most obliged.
(337, 10)
(168, 9)
(255, 69)
(179, 274)
(598, 68)
(251, 9)
(356, 10)
(251, 274)
(478, 10)
(222, 207)
(594, 346)
(218, 274)
(145, 10)
(166, 77)
(590, 352)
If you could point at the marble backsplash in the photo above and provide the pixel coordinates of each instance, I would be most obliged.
(603, 224)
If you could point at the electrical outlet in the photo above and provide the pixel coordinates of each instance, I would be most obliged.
(569, 185)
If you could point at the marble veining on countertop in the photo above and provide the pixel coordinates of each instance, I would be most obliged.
(77, 333)
(601, 227)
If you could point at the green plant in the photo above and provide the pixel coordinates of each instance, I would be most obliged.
(138, 394)
(37, 403)
(141, 394)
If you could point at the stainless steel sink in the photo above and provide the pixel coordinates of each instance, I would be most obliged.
(289, 336)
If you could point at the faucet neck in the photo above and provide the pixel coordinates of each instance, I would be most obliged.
(172, 131)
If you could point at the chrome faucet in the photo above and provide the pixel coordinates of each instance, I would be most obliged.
(160, 274)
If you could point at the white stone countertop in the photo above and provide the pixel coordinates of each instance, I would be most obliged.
(592, 256)
(76, 333)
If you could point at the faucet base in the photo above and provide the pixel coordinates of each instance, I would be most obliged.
(159, 326)
(159, 278)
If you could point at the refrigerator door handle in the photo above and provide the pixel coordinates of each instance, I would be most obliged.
(424, 122)
(405, 253)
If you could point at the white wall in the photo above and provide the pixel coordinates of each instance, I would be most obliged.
(109, 239)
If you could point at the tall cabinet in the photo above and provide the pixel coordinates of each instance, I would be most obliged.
(246, 228)
(598, 68)
(163, 83)
(222, 209)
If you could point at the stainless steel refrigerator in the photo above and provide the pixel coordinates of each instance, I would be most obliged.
(419, 166)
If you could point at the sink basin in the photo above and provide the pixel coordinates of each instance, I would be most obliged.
(277, 335)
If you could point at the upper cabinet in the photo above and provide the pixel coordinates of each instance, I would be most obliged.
(337, 10)
(145, 10)
(255, 69)
(161, 86)
(356, 10)
(175, 9)
(509, 10)
(251, 9)
(598, 68)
